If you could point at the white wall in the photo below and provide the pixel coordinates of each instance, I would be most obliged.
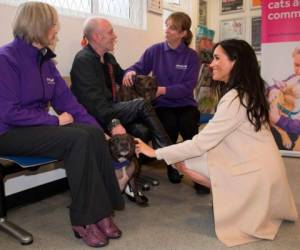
(131, 42)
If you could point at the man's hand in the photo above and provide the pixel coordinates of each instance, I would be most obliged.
(118, 130)
(128, 78)
(65, 118)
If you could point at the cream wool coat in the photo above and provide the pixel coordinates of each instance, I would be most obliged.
(251, 194)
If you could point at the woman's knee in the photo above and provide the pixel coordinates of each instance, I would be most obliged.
(96, 133)
(77, 135)
(90, 131)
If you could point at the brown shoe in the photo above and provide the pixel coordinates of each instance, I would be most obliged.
(91, 235)
(108, 228)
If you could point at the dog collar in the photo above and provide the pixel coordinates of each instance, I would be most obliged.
(122, 159)
(286, 111)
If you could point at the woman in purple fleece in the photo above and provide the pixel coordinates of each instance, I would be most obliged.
(176, 67)
(29, 82)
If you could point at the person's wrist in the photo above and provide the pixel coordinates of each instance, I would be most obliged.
(114, 122)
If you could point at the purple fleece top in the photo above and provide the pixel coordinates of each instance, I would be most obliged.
(176, 69)
(26, 88)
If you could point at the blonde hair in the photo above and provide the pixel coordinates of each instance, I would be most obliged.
(182, 22)
(33, 21)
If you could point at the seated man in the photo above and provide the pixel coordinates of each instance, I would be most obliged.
(94, 74)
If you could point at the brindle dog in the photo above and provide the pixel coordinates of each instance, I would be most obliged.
(144, 86)
(122, 148)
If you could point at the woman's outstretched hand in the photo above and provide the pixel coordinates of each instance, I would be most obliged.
(143, 148)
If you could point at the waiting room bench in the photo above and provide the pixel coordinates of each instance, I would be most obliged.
(10, 165)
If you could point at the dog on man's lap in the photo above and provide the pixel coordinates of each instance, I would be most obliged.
(143, 86)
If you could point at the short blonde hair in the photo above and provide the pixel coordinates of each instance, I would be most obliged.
(33, 21)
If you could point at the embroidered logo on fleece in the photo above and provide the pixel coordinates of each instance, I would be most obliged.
(50, 80)
(180, 66)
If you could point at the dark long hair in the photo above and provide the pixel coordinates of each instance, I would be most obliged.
(245, 78)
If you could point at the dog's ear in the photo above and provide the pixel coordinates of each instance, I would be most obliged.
(138, 79)
(112, 145)
(132, 141)
(130, 138)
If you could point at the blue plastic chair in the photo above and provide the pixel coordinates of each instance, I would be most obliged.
(205, 117)
(15, 164)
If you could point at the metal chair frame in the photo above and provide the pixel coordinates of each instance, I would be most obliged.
(16, 164)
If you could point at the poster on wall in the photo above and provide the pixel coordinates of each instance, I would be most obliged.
(281, 71)
(204, 95)
(155, 6)
(202, 12)
(230, 6)
(232, 28)
(256, 33)
(255, 4)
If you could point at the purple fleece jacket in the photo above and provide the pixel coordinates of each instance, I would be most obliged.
(28, 85)
(176, 69)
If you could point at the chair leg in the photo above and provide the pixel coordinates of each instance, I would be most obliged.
(20, 234)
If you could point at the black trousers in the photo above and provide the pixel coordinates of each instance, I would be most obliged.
(93, 185)
(180, 120)
(137, 112)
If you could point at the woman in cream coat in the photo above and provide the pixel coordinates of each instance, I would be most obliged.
(235, 154)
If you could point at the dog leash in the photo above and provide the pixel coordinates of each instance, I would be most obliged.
(112, 79)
